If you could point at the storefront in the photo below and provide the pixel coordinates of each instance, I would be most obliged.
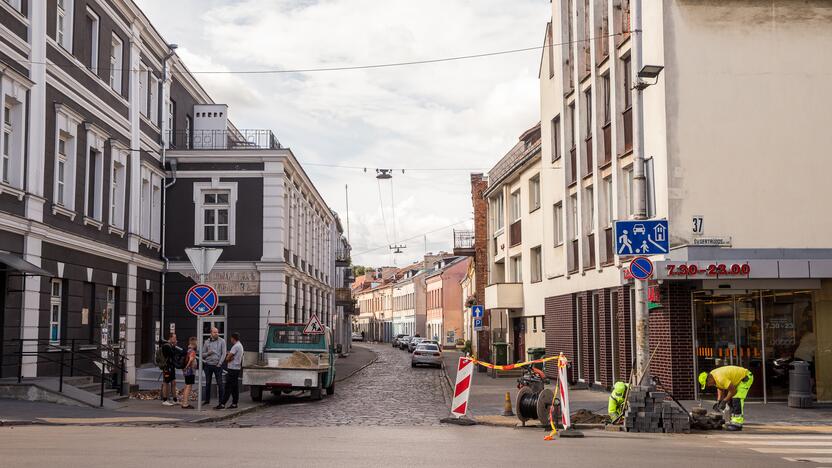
(751, 310)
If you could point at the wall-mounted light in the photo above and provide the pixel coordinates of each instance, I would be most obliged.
(648, 72)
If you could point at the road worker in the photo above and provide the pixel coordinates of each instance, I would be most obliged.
(732, 384)
(615, 408)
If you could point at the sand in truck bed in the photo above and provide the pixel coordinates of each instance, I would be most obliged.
(299, 360)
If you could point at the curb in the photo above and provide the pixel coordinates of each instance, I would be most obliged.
(19, 422)
(223, 417)
(373, 361)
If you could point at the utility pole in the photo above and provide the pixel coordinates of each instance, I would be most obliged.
(642, 338)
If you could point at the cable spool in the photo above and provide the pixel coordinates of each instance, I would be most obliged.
(534, 405)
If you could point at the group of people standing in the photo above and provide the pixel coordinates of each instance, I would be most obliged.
(216, 359)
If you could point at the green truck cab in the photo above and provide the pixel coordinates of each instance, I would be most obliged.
(292, 361)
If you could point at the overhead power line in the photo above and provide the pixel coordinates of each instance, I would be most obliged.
(359, 67)
(417, 236)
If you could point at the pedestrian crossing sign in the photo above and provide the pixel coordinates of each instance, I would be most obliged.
(314, 327)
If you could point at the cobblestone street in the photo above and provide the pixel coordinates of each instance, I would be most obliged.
(387, 393)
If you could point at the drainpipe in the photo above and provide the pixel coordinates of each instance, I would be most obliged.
(164, 140)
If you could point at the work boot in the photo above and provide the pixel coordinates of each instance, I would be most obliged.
(733, 427)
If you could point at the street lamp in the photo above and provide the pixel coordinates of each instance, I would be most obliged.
(384, 174)
(649, 72)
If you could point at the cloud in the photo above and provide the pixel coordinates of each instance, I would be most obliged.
(463, 114)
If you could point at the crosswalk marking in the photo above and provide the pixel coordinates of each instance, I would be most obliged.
(804, 448)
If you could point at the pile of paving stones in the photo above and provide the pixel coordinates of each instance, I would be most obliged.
(647, 411)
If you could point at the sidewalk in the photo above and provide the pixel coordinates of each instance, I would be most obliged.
(487, 397)
(152, 412)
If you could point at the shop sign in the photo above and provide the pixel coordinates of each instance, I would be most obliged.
(705, 270)
(654, 297)
(715, 241)
(232, 282)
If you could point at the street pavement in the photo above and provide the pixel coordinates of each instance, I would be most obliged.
(386, 393)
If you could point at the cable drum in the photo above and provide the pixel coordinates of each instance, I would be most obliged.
(534, 405)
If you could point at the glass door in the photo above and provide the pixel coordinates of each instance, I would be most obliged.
(789, 335)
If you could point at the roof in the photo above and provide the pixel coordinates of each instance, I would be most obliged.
(526, 149)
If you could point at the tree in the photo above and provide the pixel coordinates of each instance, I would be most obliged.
(359, 270)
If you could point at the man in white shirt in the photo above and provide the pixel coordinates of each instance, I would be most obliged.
(234, 365)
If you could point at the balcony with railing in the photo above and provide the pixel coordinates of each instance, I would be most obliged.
(515, 234)
(342, 252)
(464, 243)
(201, 140)
(607, 128)
(628, 129)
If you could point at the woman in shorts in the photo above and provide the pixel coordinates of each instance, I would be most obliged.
(190, 373)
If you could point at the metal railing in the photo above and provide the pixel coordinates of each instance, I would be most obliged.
(222, 140)
(463, 239)
(80, 351)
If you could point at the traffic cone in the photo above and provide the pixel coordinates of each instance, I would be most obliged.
(507, 410)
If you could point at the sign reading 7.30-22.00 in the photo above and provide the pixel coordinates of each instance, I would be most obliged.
(641, 237)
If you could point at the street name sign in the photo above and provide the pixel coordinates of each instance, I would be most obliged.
(641, 237)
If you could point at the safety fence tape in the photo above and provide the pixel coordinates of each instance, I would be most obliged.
(511, 366)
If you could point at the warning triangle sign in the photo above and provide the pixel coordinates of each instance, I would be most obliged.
(314, 327)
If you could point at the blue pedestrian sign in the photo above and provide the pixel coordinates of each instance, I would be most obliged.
(641, 268)
(478, 324)
(201, 300)
(641, 237)
(477, 311)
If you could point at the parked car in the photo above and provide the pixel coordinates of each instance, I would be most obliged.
(395, 341)
(426, 354)
(412, 345)
(357, 336)
(404, 341)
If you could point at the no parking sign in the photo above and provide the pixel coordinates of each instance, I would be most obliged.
(201, 300)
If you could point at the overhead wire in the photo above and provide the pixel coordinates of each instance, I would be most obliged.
(417, 236)
(353, 67)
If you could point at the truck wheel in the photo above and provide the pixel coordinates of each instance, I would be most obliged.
(331, 389)
(316, 393)
(256, 393)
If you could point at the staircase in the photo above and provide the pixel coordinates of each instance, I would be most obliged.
(88, 384)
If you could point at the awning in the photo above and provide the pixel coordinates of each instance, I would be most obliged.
(14, 262)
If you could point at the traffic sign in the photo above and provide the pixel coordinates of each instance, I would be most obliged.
(201, 300)
(477, 324)
(477, 311)
(641, 268)
(641, 237)
(314, 326)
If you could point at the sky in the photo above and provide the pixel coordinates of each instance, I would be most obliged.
(461, 115)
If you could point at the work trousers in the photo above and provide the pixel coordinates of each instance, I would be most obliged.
(232, 386)
(738, 402)
(210, 372)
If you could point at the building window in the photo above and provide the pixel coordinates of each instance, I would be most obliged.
(609, 196)
(649, 188)
(628, 83)
(144, 205)
(116, 55)
(156, 209)
(117, 191)
(14, 4)
(95, 168)
(534, 193)
(558, 223)
(144, 74)
(93, 24)
(590, 209)
(573, 203)
(588, 104)
(536, 265)
(605, 81)
(108, 321)
(154, 106)
(556, 138)
(514, 207)
(171, 124)
(551, 48)
(60, 173)
(63, 27)
(7, 144)
(215, 210)
(55, 312)
(497, 212)
(628, 182)
(517, 269)
(66, 123)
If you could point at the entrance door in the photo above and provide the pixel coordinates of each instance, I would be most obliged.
(789, 335)
(519, 326)
(216, 320)
(147, 328)
(728, 332)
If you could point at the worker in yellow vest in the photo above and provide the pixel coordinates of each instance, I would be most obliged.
(616, 402)
(732, 384)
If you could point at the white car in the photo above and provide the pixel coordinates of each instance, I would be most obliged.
(426, 354)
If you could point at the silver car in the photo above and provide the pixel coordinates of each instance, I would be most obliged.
(426, 354)
(413, 343)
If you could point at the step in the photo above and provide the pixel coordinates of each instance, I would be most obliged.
(78, 381)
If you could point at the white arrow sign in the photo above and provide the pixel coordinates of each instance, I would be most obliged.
(203, 259)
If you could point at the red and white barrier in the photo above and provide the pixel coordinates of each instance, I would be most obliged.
(563, 392)
(464, 371)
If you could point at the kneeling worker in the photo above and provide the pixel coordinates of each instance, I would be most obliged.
(617, 399)
(732, 384)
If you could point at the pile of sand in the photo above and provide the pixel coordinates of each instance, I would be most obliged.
(300, 360)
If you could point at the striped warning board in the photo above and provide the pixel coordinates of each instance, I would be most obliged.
(463, 386)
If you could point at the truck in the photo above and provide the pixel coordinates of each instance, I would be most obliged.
(291, 361)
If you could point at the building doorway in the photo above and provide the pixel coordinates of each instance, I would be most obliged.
(518, 326)
(218, 320)
(147, 344)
